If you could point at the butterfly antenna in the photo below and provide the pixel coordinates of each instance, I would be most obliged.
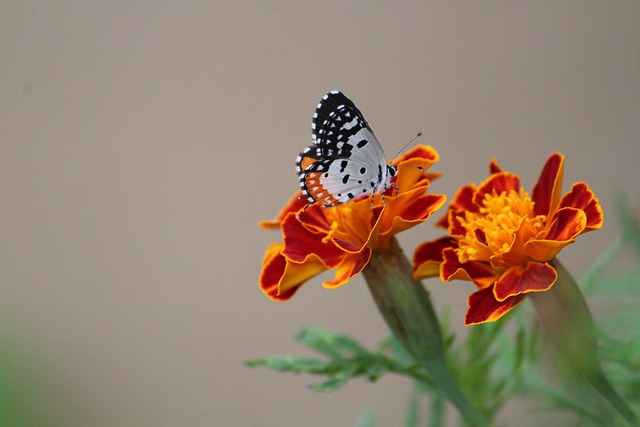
(407, 144)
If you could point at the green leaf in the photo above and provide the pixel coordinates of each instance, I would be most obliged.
(293, 364)
(318, 340)
(347, 359)
(337, 380)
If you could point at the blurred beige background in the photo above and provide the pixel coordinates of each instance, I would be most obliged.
(142, 141)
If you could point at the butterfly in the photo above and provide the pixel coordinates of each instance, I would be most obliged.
(346, 160)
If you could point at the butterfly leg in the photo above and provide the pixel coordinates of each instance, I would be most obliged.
(395, 187)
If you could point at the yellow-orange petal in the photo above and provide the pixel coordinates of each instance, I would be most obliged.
(349, 226)
(295, 203)
(280, 278)
(422, 152)
(428, 257)
(409, 175)
(536, 277)
(483, 307)
(480, 273)
(544, 250)
(356, 222)
(406, 211)
(565, 225)
(350, 266)
(581, 197)
(546, 193)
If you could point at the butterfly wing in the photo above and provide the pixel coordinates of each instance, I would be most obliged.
(346, 160)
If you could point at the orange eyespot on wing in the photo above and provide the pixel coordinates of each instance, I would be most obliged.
(307, 162)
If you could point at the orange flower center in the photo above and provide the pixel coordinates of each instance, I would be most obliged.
(346, 223)
(503, 224)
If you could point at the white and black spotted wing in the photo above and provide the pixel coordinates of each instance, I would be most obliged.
(346, 160)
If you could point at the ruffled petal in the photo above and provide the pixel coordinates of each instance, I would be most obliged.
(566, 224)
(300, 243)
(409, 174)
(428, 257)
(314, 219)
(356, 225)
(544, 250)
(581, 197)
(480, 273)
(546, 193)
(536, 277)
(498, 183)
(462, 201)
(280, 278)
(483, 307)
(407, 210)
(352, 265)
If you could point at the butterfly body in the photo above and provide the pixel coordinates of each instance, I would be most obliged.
(346, 160)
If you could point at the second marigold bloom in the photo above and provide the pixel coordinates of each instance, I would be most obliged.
(343, 237)
(501, 238)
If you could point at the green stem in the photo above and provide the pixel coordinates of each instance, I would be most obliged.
(406, 307)
(567, 321)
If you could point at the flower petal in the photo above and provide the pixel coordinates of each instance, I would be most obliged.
(480, 273)
(536, 277)
(300, 243)
(407, 210)
(314, 219)
(352, 265)
(483, 307)
(409, 175)
(544, 250)
(280, 278)
(421, 152)
(494, 167)
(462, 201)
(294, 204)
(582, 198)
(355, 225)
(546, 192)
(428, 257)
(566, 224)
(498, 182)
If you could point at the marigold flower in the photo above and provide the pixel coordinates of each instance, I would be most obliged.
(502, 239)
(343, 237)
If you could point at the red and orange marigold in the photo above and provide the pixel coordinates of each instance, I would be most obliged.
(343, 237)
(502, 239)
